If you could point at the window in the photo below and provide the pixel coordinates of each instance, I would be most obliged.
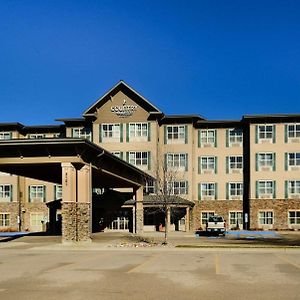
(294, 217)
(235, 136)
(266, 132)
(293, 131)
(4, 219)
(5, 192)
(138, 131)
(294, 159)
(36, 193)
(265, 189)
(234, 164)
(58, 191)
(265, 217)
(178, 188)
(110, 132)
(208, 190)
(265, 161)
(205, 216)
(292, 188)
(138, 159)
(5, 135)
(208, 137)
(208, 164)
(235, 219)
(36, 136)
(235, 190)
(176, 160)
(118, 154)
(176, 134)
(83, 133)
(149, 188)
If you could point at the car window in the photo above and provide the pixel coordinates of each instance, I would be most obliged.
(215, 219)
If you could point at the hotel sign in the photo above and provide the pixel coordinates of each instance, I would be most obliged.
(123, 111)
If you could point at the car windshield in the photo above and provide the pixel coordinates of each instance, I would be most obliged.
(215, 219)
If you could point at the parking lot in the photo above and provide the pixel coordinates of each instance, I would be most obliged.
(38, 268)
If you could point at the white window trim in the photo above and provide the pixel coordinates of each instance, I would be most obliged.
(4, 198)
(203, 163)
(235, 197)
(34, 195)
(205, 138)
(143, 132)
(115, 132)
(259, 218)
(181, 158)
(82, 133)
(181, 134)
(291, 225)
(235, 169)
(235, 137)
(3, 219)
(4, 134)
(265, 139)
(208, 212)
(265, 167)
(265, 195)
(207, 196)
(182, 188)
(236, 219)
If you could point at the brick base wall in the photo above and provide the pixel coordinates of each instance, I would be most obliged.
(76, 222)
(220, 207)
(280, 208)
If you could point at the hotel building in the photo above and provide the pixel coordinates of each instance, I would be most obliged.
(246, 170)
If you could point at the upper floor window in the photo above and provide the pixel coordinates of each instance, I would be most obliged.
(58, 191)
(207, 138)
(235, 190)
(292, 189)
(292, 160)
(111, 132)
(139, 159)
(178, 188)
(177, 161)
(5, 135)
(5, 192)
(37, 193)
(235, 137)
(176, 134)
(207, 191)
(265, 189)
(265, 161)
(4, 219)
(149, 187)
(36, 136)
(265, 133)
(138, 131)
(83, 133)
(234, 164)
(208, 164)
(292, 132)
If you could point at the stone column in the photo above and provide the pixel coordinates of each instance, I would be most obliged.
(76, 203)
(133, 219)
(187, 219)
(139, 210)
(168, 218)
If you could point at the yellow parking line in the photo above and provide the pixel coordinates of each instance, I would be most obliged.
(288, 261)
(217, 264)
(142, 265)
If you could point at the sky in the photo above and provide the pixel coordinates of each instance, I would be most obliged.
(218, 59)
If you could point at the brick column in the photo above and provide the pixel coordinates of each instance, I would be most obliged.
(139, 211)
(76, 203)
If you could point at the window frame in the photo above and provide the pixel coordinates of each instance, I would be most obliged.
(235, 138)
(177, 187)
(4, 219)
(5, 195)
(296, 217)
(82, 133)
(143, 132)
(209, 191)
(266, 216)
(5, 133)
(178, 136)
(265, 135)
(208, 164)
(238, 190)
(176, 161)
(39, 194)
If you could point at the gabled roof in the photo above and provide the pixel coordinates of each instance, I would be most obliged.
(121, 86)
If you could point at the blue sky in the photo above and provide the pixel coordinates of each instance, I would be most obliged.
(219, 59)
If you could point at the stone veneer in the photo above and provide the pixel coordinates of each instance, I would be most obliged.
(28, 208)
(280, 208)
(76, 222)
(220, 207)
(13, 209)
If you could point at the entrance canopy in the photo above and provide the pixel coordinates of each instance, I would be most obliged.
(42, 158)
